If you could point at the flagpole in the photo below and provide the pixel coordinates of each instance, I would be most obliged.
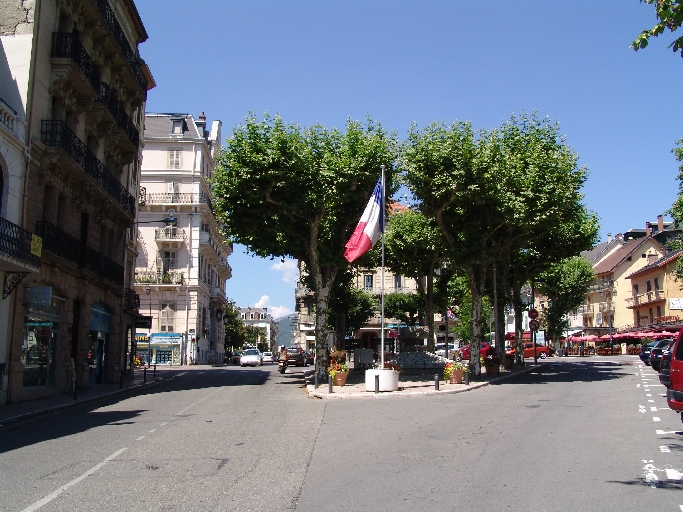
(382, 213)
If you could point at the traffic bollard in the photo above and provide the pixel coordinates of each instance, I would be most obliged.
(376, 383)
(144, 374)
(329, 385)
(316, 380)
(467, 378)
(436, 382)
(155, 371)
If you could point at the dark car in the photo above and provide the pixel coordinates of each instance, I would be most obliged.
(484, 350)
(296, 357)
(674, 395)
(310, 357)
(645, 350)
(656, 354)
(665, 366)
(235, 359)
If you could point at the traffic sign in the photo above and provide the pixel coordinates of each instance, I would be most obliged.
(534, 325)
(533, 313)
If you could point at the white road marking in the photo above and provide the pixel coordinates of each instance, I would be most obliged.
(641, 409)
(47, 499)
(650, 477)
(673, 474)
(664, 449)
(153, 430)
(637, 385)
(651, 401)
(140, 438)
(665, 432)
(164, 423)
(681, 507)
(648, 395)
(655, 418)
(181, 374)
(201, 373)
(653, 409)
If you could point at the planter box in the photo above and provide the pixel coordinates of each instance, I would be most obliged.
(388, 380)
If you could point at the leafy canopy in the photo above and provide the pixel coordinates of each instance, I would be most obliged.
(670, 16)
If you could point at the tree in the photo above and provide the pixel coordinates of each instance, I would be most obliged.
(235, 334)
(350, 308)
(255, 336)
(414, 247)
(403, 306)
(670, 16)
(286, 191)
(565, 284)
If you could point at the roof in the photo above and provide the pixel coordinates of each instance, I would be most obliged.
(661, 262)
(621, 254)
(159, 125)
(137, 21)
(596, 252)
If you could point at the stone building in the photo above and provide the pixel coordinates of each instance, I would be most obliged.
(182, 263)
(82, 89)
(259, 317)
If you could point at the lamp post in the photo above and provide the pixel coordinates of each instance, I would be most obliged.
(148, 291)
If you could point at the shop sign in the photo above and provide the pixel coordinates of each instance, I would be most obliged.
(36, 246)
(39, 296)
(675, 303)
(39, 324)
(143, 322)
(165, 338)
(142, 337)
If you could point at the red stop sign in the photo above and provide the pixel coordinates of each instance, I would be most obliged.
(533, 314)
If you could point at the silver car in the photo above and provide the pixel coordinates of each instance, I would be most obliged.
(268, 357)
(251, 357)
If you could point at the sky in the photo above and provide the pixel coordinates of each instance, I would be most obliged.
(403, 62)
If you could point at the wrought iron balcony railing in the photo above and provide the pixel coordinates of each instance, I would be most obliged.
(61, 243)
(178, 198)
(129, 129)
(129, 55)
(586, 309)
(108, 98)
(15, 242)
(152, 276)
(58, 134)
(66, 45)
(131, 300)
(169, 234)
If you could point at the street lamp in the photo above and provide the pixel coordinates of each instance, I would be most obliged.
(148, 291)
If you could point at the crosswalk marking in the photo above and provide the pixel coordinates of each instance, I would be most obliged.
(664, 449)
(653, 409)
(673, 474)
(655, 418)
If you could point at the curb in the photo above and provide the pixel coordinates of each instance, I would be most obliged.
(56, 408)
(397, 394)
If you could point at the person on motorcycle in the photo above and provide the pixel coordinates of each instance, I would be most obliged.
(283, 355)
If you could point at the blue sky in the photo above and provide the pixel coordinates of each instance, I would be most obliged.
(406, 62)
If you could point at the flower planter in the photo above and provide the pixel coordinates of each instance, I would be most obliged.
(492, 370)
(509, 363)
(457, 376)
(388, 380)
(340, 378)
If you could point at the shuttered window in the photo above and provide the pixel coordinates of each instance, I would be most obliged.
(174, 158)
(167, 316)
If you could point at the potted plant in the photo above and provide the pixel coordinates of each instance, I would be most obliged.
(454, 372)
(510, 358)
(492, 364)
(338, 370)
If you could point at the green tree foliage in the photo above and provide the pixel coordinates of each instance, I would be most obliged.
(669, 17)
(255, 336)
(235, 334)
(350, 307)
(403, 306)
(565, 284)
(415, 247)
(282, 190)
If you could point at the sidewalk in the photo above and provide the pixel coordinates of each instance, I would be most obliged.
(15, 412)
(411, 385)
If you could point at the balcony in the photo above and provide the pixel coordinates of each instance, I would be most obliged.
(605, 307)
(177, 198)
(65, 45)
(217, 291)
(129, 55)
(15, 248)
(108, 98)
(152, 276)
(643, 299)
(10, 122)
(586, 309)
(131, 300)
(66, 246)
(57, 134)
(170, 234)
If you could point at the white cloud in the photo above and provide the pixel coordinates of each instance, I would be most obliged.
(290, 272)
(280, 311)
(263, 302)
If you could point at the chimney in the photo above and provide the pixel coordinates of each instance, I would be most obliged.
(648, 229)
(609, 237)
(660, 223)
(201, 124)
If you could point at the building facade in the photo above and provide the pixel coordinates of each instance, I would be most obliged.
(82, 88)
(182, 256)
(259, 317)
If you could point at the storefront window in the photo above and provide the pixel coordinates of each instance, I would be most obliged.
(39, 352)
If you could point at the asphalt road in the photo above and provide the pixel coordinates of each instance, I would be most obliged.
(589, 434)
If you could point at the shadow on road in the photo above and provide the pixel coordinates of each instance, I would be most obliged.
(573, 372)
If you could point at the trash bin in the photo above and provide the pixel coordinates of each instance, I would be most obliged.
(581, 350)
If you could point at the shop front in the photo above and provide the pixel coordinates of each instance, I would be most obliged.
(165, 348)
(98, 352)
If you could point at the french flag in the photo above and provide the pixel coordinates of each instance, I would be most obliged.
(370, 227)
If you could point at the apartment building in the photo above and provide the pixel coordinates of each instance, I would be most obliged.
(78, 88)
(259, 317)
(182, 255)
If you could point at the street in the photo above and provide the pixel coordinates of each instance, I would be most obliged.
(582, 434)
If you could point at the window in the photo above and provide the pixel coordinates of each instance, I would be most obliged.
(174, 158)
(648, 286)
(167, 319)
(167, 260)
(656, 284)
(368, 282)
(176, 126)
(397, 283)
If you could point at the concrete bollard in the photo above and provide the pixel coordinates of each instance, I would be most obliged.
(329, 385)
(436, 382)
(467, 378)
(376, 383)
(144, 374)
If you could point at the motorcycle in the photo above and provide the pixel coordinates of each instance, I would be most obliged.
(282, 366)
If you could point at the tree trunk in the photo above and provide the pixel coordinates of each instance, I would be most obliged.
(477, 278)
(519, 308)
(322, 294)
(429, 311)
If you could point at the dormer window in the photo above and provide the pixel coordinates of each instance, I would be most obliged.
(177, 127)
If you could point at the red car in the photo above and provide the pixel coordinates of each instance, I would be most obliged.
(674, 395)
(484, 350)
(541, 350)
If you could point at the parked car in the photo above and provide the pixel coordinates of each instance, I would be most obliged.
(251, 357)
(674, 395)
(296, 357)
(665, 366)
(542, 351)
(439, 349)
(656, 354)
(645, 350)
(235, 359)
(310, 357)
(268, 357)
(485, 349)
